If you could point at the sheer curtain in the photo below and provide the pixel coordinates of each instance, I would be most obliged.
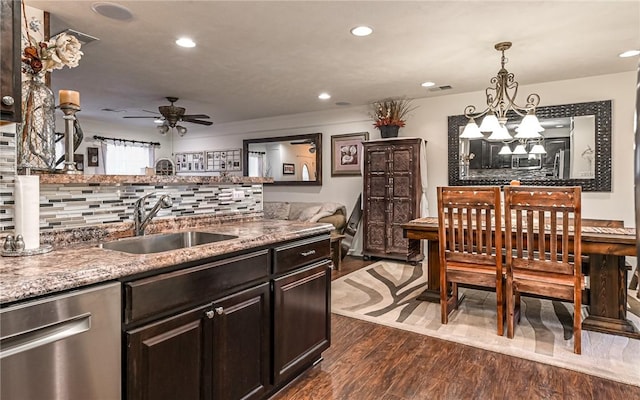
(256, 164)
(127, 158)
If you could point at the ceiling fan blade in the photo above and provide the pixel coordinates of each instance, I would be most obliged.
(138, 116)
(197, 121)
(196, 116)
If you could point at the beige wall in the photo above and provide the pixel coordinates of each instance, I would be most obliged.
(429, 121)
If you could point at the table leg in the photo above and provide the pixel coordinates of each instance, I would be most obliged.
(608, 300)
(432, 292)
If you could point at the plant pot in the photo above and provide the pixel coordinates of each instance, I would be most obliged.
(389, 131)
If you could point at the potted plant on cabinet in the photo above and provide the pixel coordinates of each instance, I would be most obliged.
(389, 115)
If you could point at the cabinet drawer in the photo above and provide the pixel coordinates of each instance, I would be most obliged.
(191, 286)
(300, 253)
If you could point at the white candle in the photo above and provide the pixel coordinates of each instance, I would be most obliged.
(69, 97)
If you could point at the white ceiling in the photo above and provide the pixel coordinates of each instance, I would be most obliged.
(264, 58)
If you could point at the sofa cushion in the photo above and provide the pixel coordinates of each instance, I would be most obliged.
(308, 213)
(276, 210)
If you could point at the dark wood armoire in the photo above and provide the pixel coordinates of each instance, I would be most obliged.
(391, 197)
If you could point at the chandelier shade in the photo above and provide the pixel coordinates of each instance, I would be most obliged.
(537, 149)
(520, 150)
(471, 131)
(500, 134)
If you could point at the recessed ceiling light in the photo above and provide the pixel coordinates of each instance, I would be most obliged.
(185, 42)
(112, 10)
(361, 31)
(629, 53)
(324, 96)
(559, 126)
(427, 84)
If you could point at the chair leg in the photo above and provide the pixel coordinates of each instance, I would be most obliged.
(577, 321)
(444, 312)
(454, 294)
(510, 307)
(500, 306)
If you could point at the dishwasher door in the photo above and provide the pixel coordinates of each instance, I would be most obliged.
(62, 347)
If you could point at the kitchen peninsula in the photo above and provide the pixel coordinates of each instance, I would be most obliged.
(227, 312)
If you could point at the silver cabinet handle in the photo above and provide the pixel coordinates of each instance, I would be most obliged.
(308, 253)
(209, 314)
(7, 100)
(219, 310)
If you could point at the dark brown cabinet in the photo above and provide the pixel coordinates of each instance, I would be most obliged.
(236, 328)
(10, 86)
(165, 360)
(241, 343)
(391, 197)
(301, 301)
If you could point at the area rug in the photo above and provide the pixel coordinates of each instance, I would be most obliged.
(385, 293)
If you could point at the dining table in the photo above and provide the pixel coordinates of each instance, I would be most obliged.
(606, 245)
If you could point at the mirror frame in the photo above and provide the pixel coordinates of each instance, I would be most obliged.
(316, 137)
(602, 180)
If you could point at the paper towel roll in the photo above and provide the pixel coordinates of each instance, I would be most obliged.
(27, 209)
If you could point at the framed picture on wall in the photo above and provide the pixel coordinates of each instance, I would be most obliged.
(288, 169)
(346, 153)
(92, 156)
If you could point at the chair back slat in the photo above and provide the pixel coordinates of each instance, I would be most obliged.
(545, 219)
(467, 220)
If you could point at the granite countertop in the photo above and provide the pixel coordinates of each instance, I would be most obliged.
(84, 264)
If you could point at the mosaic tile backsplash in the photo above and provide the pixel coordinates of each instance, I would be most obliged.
(7, 173)
(76, 205)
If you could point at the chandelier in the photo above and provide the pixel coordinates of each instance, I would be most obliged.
(501, 98)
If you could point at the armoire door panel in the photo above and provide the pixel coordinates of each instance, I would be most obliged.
(377, 160)
(402, 160)
(377, 212)
(378, 186)
(402, 186)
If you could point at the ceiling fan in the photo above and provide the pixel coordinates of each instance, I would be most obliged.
(310, 142)
(171, 115)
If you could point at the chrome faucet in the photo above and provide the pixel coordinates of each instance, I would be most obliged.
(140, 219)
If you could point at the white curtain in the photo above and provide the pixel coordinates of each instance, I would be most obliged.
(256, 164)
(125, 158)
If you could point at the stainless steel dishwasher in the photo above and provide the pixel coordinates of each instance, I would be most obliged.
(62, 347)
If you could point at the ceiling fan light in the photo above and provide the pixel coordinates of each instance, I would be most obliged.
(163, 129)
(181, 130)
(471, 131)
(158, 121)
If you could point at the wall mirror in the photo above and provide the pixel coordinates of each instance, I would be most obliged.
(575, 151)
(289, 160)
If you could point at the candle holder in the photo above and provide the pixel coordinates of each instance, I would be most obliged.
(69, 111)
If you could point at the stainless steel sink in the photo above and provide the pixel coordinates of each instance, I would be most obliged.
(164, 242)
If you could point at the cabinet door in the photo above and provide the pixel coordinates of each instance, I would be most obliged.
(165, 359)
(241, 345)
(402, 199)
(301, 315)
(10, 87)
(376, 193)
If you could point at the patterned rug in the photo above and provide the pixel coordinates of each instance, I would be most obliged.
(385, 292)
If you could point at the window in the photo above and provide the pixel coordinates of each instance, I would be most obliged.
(127, 158)
(305, 172)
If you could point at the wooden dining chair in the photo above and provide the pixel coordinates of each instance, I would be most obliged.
(543, 253)
(470, 250)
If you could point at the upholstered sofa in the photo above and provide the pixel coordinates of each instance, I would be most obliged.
(327, 212)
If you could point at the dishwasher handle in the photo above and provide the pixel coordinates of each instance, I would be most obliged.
(44, 335)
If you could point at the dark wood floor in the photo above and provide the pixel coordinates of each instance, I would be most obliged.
(368, 361)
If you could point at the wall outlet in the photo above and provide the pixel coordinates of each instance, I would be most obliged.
(238, 195)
